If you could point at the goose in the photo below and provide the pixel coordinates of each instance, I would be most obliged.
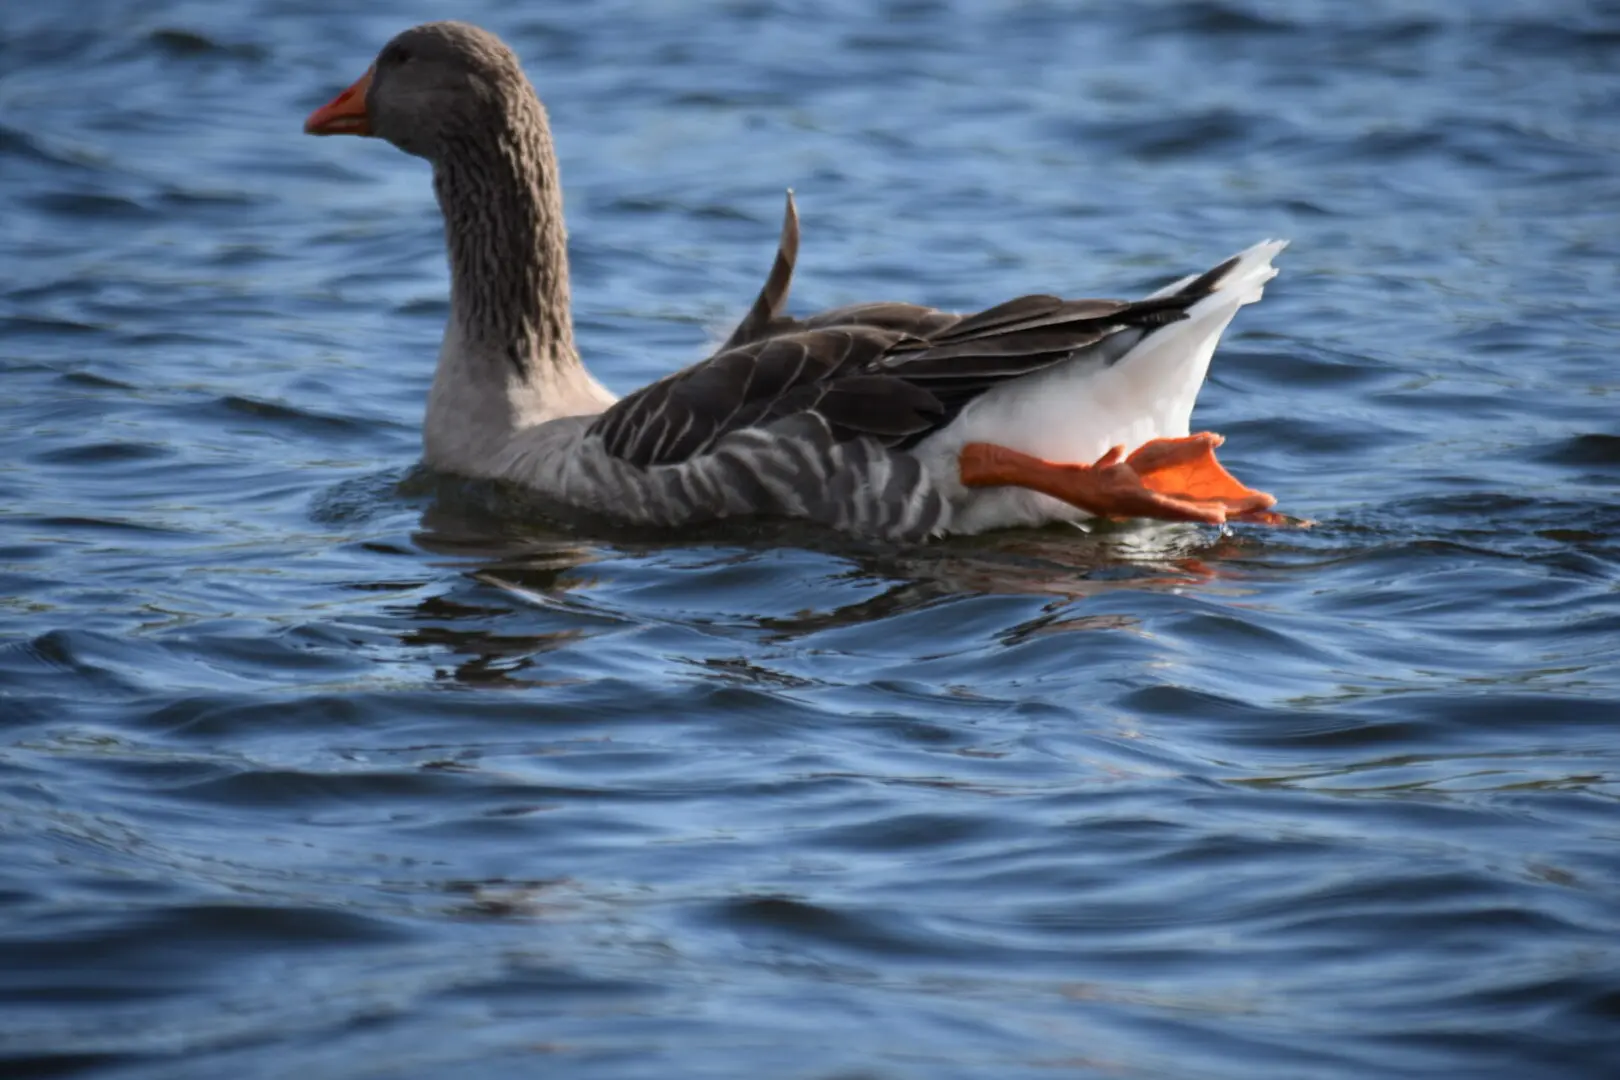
(891, 420)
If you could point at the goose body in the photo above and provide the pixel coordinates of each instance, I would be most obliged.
(887, 419)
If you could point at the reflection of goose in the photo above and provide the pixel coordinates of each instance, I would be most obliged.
(520, 598)
(888, 419)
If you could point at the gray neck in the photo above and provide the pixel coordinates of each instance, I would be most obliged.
(502, 204)
(508, 362)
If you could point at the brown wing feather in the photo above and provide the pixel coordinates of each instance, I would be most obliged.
(892, 372)
(822, 371)
(765, 317)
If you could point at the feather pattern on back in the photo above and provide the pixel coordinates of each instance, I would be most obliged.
(891, 372)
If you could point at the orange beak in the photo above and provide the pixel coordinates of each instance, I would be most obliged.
(345, 114)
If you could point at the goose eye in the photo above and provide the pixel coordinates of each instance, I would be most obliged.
(397, 54)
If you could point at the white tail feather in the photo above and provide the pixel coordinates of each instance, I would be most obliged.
(1171, 363)
(1075, 412)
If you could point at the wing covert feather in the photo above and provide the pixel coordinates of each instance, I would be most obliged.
(890, 372)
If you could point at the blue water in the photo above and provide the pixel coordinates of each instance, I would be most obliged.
(312, 765)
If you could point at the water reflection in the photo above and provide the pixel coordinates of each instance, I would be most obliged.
(560, 574)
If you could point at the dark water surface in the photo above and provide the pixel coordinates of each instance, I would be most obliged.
(314, 767)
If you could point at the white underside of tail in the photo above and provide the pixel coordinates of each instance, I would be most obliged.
(1076, 411)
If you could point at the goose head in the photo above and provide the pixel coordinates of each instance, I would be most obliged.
(430, 89)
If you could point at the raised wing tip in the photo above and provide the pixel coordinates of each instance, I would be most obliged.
(788, 243)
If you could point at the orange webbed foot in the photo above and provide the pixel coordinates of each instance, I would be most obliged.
(1168, 479)
(1186, 467)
